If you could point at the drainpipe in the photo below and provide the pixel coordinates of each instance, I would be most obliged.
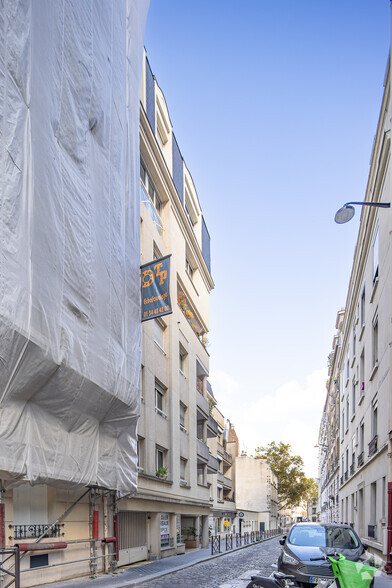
(388, 565)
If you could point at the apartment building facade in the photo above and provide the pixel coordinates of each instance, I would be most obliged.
(172, 505)
(363, 370)
(256, 494)
(329, 435)
(224, 516)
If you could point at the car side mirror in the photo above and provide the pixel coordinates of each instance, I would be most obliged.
(283, 540)
(365, 546)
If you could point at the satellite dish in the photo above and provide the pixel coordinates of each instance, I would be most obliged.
(344, 214)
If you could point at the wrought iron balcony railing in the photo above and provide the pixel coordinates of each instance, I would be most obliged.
(373, 445)
(35, 531)
(361, 459)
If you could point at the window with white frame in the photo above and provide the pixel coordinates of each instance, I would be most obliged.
(156, 253)
(189, 209)
(362, 437)
(182, 417)
(183, 463)
(160, 393)
(375, 256)
(353, 399)
(362, 372)
(348, 364)
(159, 333)
(375, 340)
(347, 411)
(363, 303)
(160, 457)
(374, 417)
(182, 354)
(189, 267)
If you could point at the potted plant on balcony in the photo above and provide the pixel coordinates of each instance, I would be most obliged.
(191, 538)
(161, 473)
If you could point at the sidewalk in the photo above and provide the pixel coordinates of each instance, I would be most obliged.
(136, 574)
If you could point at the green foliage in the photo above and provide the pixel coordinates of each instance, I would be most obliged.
(311, 494)
(161, 472)
(288, 468)
(191, 533)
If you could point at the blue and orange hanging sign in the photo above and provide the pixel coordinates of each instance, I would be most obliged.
(156, 288)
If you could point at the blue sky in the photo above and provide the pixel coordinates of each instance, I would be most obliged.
(274, 105)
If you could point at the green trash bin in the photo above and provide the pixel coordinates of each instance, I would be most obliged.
(352, 574)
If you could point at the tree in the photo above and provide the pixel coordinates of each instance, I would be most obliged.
(288, 468)
(311, 494)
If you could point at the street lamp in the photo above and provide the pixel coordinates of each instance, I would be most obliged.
(347, 211)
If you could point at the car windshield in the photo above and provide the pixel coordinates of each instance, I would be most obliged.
(313, 536)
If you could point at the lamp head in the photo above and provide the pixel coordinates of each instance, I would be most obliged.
(344, 214)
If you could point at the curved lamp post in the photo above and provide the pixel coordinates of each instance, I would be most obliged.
(347, 211)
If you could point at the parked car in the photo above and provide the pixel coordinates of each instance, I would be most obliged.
(310, 540)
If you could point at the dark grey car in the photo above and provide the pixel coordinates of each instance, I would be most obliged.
(310, 540)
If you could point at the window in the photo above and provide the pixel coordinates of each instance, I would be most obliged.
(353, 397)
(160, 399)
(156, 253)
(375, 256)
(189, 209)
(375, 341)
(348, 365)
(183, 469)
(150, 197)
(140, 456)
(354, 342)
(181, 359)
(201, 474)
(373, 503)
(374, 419)
(363, 307)
(182, 417)
(347, 411)
(362, 437)
(159, 330)
(342, 423)
(160, 454)
(189, 267)
(362, 372)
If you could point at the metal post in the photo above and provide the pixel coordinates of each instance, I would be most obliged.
(388, 565)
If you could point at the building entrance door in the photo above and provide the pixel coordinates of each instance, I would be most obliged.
(132, 537)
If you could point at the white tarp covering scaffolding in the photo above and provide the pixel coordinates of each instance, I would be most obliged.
(70, 332)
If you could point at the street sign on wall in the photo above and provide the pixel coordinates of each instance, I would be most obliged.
(155, 288)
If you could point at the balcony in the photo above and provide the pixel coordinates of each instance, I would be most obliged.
(202, 406)
(212, 428)
(223, 453)
(373, 445)
(212, 465)
(203, 451)
(361, 459)
(352, 469)
(226, 482)
(346, 475)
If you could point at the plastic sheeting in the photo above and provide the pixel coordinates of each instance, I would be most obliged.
(70, 331)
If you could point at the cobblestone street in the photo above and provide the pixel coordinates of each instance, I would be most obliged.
(229, 571)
